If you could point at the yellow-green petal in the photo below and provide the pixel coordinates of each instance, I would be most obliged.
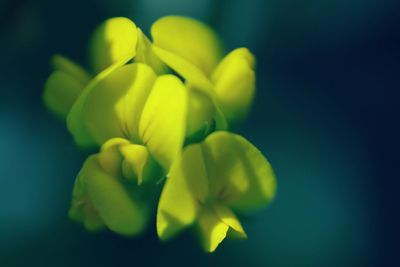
(110, 157)
(163, 122)
(146, 55)
(185, 189)
(242, 53)
(113, 40)
(64, 64)
(201, 111)
(75, 122)
(137, 164)
(226, 215)
(114, 106)
(82, 209)
(60, 92)
(239, 174)
(120, 158)
(190, 72)
(234, 81)
(114, 199)
(189, 39)
(211, 229)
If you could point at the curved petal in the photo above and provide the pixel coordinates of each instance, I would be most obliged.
(60, 92)
(190, 72)
(212, 230)
(215, 223)
(201, 111)
(163, 123)
(82, 209)
(234, 81)
(64, 64)
(242, 53)
(229, 218)
(114, 200)
(240, 176)
(146, 55)
(75, 122)
(113, 40)
(185, 189)
(110, 158)
(188, 38)
(114, 106)
(138, 165)
(120, 158)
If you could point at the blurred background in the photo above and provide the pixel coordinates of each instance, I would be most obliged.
(325, 116)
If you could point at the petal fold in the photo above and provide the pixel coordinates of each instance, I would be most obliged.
(190, 72)
(185, 189)
(162, 125)
(114, 106)
(75, 122)
(211, 229)
(146, 55)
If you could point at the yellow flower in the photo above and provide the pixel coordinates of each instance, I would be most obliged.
(144, 104)
(212, 180)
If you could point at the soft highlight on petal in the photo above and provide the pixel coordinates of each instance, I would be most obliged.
(211, 229)
(234, 81)
(163, 123)
(112, 41)
(185, 189)
(240, 175)
(114, 200)
(75, 121)
(113, 108)
(188, 38)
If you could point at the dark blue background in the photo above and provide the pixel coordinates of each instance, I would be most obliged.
(325, 115)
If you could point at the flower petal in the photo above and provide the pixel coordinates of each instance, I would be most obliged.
(120, 158)
(240, 176)
(190, 72)
(146, 55)
(82, 209)
(212, 230)
(112, 41)
(62, 63)
(163, 123)
(138, 165)
(110, 158)
(229, 218)
(114, 106)
(185, 188)
(75, 122)
(188, 38)
(60, 92)
(234, 81)
(201, 111)
(114, 200)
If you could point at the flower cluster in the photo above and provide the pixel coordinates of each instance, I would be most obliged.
(158, 113)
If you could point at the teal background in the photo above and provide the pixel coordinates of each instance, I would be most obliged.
(325, 115)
